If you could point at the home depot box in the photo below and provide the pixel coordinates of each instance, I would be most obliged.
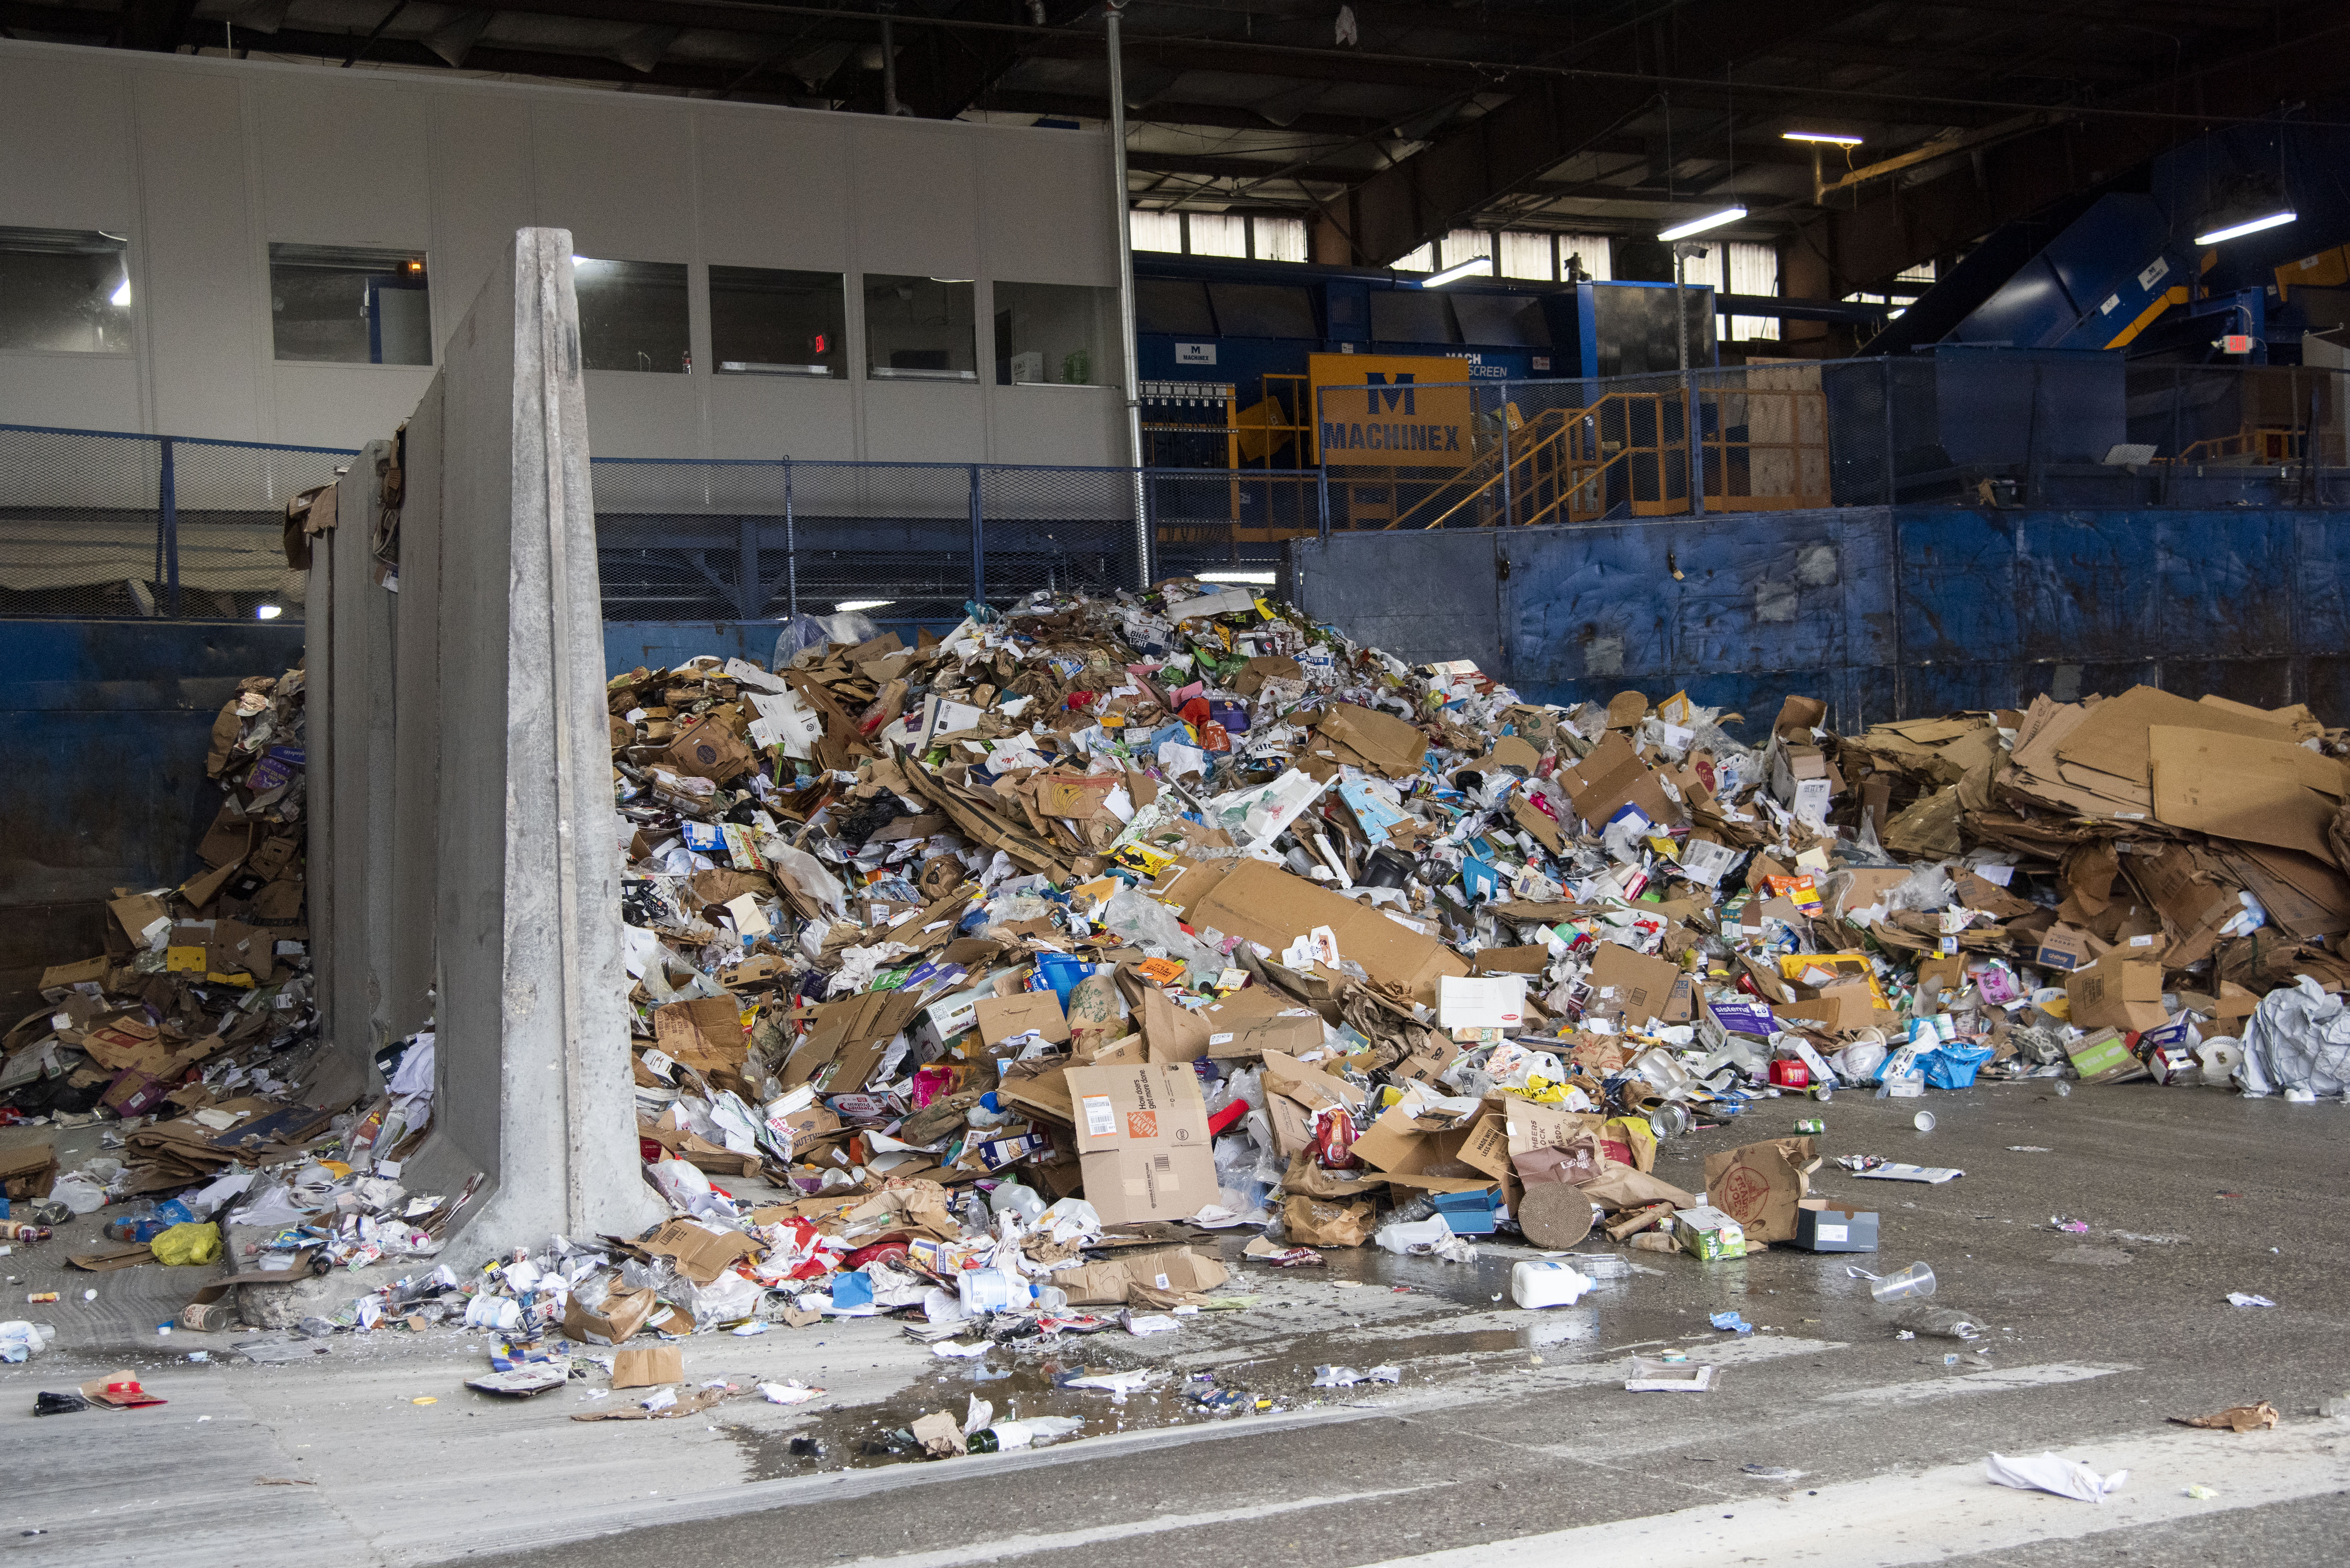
(1142, 1140)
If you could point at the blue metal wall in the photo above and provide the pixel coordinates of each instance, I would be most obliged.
(104, 787)
(1886, 612)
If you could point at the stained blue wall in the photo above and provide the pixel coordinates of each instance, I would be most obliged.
(104, 787)
(1886, 612)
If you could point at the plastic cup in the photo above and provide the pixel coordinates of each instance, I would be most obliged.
(1923, 1121)
(1917, 1279)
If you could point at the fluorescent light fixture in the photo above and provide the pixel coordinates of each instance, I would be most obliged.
(844, 606)
(2249, 226)
(1474, 266)
(1265, 579)
(1700, 225)
(121, 297)
(1833, 138)
(267, 612)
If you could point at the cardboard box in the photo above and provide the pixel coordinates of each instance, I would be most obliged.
(1761, 1185)
(1838, 1009)
(1288, 1032)
(707, 751)
(1268, 905)
(1800, 782)
(1142, 1141)
(1835, 1230)
(700, 1253)
(2117, 992)
(2066, 948)
(1633, 986)
(1612, 777)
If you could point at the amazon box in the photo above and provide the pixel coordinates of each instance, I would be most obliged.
(1142, 1141)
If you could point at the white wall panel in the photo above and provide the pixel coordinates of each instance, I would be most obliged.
(65, 145)
(205, 293)
(343, 164)
(775, 189)
(482, 191)
(618, 175)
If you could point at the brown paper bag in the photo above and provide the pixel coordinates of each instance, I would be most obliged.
(1316, 1222)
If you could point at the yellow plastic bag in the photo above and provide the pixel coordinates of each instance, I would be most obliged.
(184, 1244)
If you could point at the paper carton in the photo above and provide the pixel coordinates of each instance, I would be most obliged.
(999, 1018)
(1633, 986)
(1142, 1141)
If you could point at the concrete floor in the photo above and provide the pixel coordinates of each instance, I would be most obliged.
(1510, 1437)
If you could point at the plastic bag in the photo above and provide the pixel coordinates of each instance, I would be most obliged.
(802, 632)
(2297, 1038)
(1954, 1066)
(184, 1244)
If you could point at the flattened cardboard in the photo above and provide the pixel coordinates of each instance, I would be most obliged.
(701, 1254)
(1631, 985)
(2236, 786)
(1388, 744)
(1268, 905)
(648, 1366)
(1181, 1270)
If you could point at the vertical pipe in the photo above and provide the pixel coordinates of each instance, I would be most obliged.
(1695, 457)
(1322, 499)
(791, 549)
(171, 499)
(1123, 234)
(1509, 508)
(2170, 469)
(978, 542)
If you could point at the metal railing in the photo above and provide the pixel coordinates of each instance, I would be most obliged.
(97, 525)
(1966, 427)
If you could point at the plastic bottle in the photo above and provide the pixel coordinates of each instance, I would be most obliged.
(1026, 1201)
(1944, 1323)
(1547, 1283)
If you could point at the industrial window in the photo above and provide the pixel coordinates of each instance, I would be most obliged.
(1278, 239)
(1175, 305)
(1055, 334)
(764, 321)
(633, 315)
(1589, 255)
(1218, 234)
(919, 328)
(1263, 310)
(1420, 260)
(1412, 316)
(1751, 268)
(1465, 246)
(1529, 255)
(347, 306)
(65, 290)
(1158, 232)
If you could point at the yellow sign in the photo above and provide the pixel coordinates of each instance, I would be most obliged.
(1391, 410)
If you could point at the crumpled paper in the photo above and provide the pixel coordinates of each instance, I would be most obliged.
(2065, 1478)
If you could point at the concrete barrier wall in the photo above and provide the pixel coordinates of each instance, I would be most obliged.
(1884, 612)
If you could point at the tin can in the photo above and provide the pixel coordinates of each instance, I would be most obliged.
(1811, 1124)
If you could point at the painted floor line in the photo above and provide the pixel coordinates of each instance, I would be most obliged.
(1997, 1380)
(1951, 1512)
(1065, 1540)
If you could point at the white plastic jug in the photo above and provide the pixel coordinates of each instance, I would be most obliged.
(1546, 1282)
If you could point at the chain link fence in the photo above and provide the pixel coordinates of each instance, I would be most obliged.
(97, 525)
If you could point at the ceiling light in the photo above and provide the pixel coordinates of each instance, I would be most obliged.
(1833, 138)
(267, 612)
(2230, 231)
(1475, 266)
(844, 606)
(121, 297)
(1700, 225)
(1265, 579)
